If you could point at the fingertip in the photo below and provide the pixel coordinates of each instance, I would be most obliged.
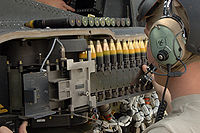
(144, 68)
(3, 127)
(72, 9)
(144, 65)
(69, 8)
(25, 123)
(22, 128)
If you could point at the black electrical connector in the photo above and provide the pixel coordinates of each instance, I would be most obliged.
(146, 79)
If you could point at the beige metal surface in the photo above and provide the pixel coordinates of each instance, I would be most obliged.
(45, 33)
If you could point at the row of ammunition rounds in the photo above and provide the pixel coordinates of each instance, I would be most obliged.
(79, 21)
(119, 55)
(114, 93)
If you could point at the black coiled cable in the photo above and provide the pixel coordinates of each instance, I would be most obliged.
(163, 104)
(161, 111)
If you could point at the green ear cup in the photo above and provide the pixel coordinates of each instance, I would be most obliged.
(163, 45)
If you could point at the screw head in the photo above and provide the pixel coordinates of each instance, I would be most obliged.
(160, 57)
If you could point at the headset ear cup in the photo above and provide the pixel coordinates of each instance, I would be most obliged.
(163, 46)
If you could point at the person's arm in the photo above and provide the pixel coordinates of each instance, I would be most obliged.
(22, 128)
(4, 129)
(159, 89)
(58, 4)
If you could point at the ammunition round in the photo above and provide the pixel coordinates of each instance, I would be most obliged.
(78, 21)
(118, 22)
(131, 54)
(112, 22)
(99, 56)
(143, 51)
(85, 21)
(96, 22)
(128, 22)
(107, 94)
(123, 22)
(107, 21)
(93, 51)
(106, 55)
(125, 55)
(91, 21)
(72, 21)
(83, 56)
(113, 54)
(119, 54)
(137, 52)
(102, 22)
